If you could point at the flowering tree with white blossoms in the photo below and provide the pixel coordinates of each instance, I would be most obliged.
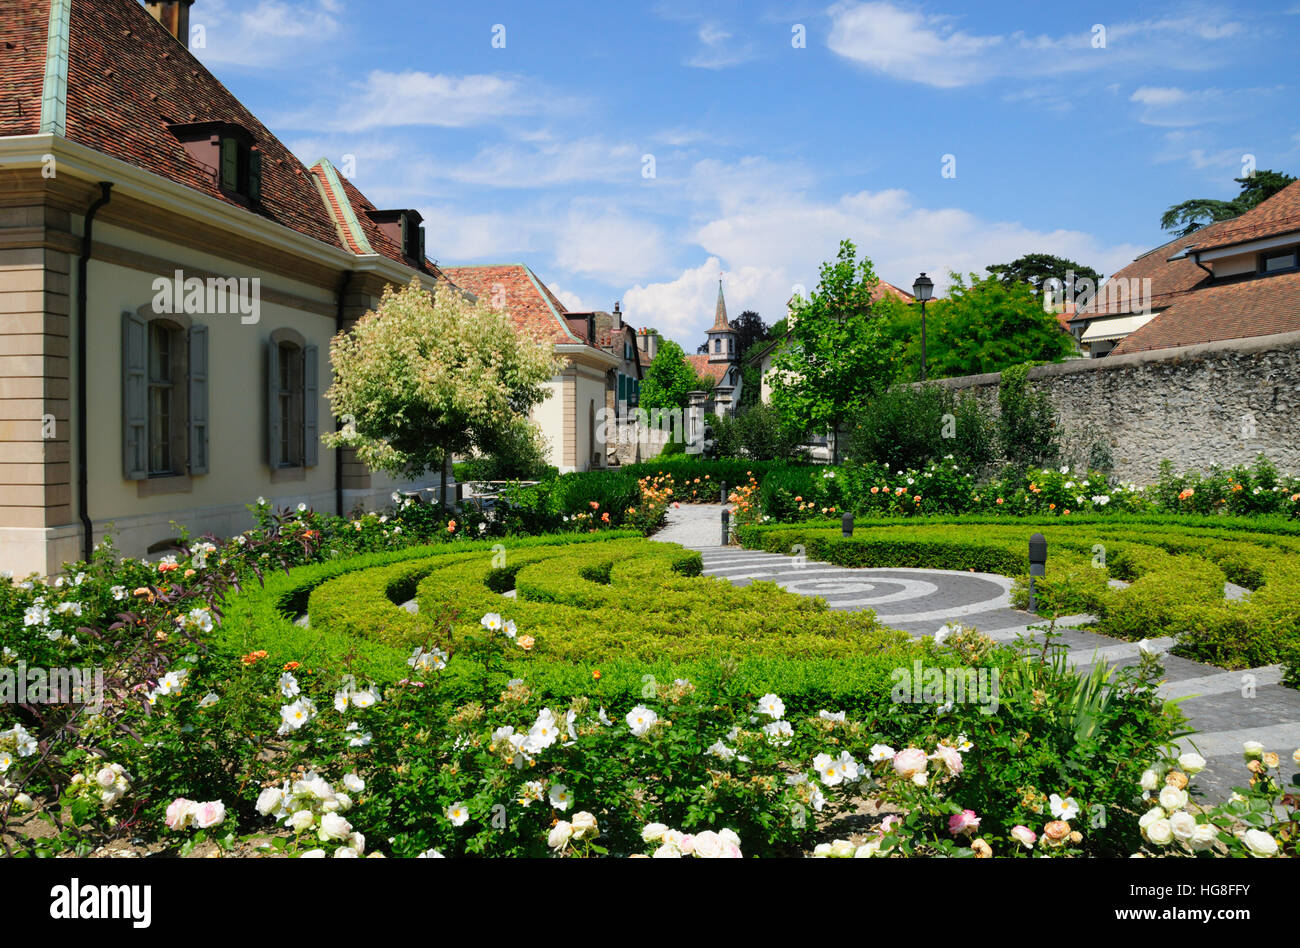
(426, 376)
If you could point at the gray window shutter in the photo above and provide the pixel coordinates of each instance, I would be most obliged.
(135, 397)
(255, 175)
(420, 257)
(273, 420)
(310, 398)
(198, 400)
(230, 164)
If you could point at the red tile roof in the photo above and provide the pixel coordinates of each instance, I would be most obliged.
(23, 28)
(128, 80)
(702, 366)
(1171, 280)
(527, 300)
(1257, 306)
(1280, 214)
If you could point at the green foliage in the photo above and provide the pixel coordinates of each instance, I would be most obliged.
(837, 357)
(1191, 216)
(1036, 269)
(1027, 426)
(519, 453)
(907, 427)
(759, 432)
(986, 326)
(669, 379)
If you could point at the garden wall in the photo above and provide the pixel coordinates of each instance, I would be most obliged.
(1218, 402)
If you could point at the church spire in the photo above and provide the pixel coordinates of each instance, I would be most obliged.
(720, 316)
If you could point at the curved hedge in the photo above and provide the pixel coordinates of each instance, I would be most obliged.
(1176, 569)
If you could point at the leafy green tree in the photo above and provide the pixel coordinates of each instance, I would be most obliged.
(1036, 268)
(985, 326)
(424, 377)
(669, 379)
(1192, 215)
(838, 356)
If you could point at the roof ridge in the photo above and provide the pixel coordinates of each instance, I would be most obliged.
(54, 90)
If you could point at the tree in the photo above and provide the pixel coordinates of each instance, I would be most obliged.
(424, 377)
(838, 356)
(1035, 268)
(669, 379)
(984, 327)
(1192, 215)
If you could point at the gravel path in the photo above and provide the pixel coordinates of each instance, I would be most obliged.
(1226, 707)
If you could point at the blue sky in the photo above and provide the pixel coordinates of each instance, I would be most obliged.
(767, 153)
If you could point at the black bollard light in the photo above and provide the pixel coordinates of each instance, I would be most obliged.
(846, 524)
(724, 492)
(726, 526)
(1037, 566)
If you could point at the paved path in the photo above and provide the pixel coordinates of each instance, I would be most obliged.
(1226, 707)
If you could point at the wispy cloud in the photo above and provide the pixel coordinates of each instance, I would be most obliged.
(720, 48)
(264, 34)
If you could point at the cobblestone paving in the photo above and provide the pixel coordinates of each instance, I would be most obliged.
(1226, 708)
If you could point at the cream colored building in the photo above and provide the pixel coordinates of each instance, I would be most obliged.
(126, 169)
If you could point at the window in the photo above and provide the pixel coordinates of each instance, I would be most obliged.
(717, 346)
(291, 425)
(1274, 260)
(164, 396)
(241, 168)
(731, 343)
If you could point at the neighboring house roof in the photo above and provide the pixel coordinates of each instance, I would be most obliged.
(703, 367)
(1258, 306)
(115, 79)
(524, 297)
(1280, 214)
(1171, 279)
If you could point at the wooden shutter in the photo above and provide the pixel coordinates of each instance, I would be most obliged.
(198, 343)
(420, 257)
(135, 397)
(273, 419)
(255, 175)
(406, 235)
(230, 164)
(310, 398)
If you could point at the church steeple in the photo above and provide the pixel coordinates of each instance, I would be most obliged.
(722, 338)
(720, 314)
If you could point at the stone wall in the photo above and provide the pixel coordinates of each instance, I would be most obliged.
(1220, 402)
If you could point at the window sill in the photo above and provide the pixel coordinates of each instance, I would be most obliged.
(164, 484)
(280, 475)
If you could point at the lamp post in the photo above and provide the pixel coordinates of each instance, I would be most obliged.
(923, 289)
(1037, 566)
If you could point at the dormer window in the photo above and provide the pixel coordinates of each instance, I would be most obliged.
(1275, 260)
(226, 151)
(405, 229)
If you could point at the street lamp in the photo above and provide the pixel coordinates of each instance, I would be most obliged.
(1037, 566)
(923, 289)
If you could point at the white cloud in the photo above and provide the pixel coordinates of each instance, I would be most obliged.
(1170, 106)
(682, 308)
(604, 243)
(719, 48)
(906, 43)
(549, 163)
(263, 34)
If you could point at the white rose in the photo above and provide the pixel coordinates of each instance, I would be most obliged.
(1296, 756)
(1204, 836)
(843, 849)
(1150, 816)
(1252, 749)
(269, 800)
(313, 854)
(333, 826)
(1259, 843)
(584, 824)
(1183, 825)
(354, 783)
(1160, 832)
(709, 845)
(1192, 763)
(560, 834)
(822, 851)
(667, 851)
(653, 832)
(1150, 780)
(1171, 798)
(302, 820)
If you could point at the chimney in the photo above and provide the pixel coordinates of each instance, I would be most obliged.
(591, 329)
(174, 15)
(618, 317)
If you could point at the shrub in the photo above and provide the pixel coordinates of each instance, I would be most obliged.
(758, 432)
(910, 426)
(1027, 426)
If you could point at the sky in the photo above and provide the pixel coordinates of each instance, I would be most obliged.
(640, 152)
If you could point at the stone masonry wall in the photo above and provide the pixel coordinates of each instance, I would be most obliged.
(1222, 402)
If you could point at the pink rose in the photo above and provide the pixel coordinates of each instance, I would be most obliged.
(909, 762)
(179, 813)
(951, 758)
(965, 822)
(209, 814)
(1024, 835)
(890, 822)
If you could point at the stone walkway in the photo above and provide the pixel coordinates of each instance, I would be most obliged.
(1227, 708)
